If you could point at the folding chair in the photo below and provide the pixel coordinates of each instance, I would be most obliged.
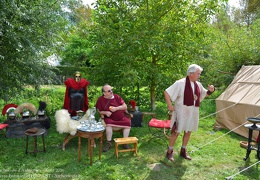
(159, 129)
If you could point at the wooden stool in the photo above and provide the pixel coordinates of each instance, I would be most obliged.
(39, 132)
(128, 140)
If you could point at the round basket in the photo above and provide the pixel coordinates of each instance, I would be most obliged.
(243, 144)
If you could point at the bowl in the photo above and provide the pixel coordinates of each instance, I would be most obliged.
(243, 144)
(253, 120)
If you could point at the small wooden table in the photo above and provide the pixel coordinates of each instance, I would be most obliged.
(91, 136)
(40, 132)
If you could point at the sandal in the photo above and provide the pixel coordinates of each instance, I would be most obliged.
(126, 146)
(107, 147)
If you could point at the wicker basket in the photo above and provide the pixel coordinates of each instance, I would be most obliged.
(243, 144)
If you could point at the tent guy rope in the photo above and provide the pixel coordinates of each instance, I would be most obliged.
(218, 111)
(218, 137)
(223, 134)
(232, 176)
(210, 142)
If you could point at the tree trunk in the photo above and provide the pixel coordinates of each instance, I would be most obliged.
(152, 93)
(152, 88)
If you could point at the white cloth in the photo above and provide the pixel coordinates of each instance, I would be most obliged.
(186, 117)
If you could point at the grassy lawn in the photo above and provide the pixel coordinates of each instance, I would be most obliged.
(215, 155)
(218, 160)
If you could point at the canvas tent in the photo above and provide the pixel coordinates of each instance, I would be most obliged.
(240, 100)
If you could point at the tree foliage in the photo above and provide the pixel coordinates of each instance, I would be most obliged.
(147, 43)
(29, 33)
(250, 10)
(129, 44)
(77, 48)
(232, 44)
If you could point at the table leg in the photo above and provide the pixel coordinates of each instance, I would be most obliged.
(249, 144)
(89, 145)
(26, 151)
(79, 148)
(43, 142)
(35, 145)
(100, 147)
(91, 149)
(258, 147)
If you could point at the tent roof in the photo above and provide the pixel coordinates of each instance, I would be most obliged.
(245, 87)
(240, 101)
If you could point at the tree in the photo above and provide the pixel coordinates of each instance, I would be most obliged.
(77, 48)
(29, 33)
(147, 43)
(250, 10)
(231, 44)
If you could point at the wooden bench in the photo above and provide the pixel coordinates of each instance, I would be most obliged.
(153, 114)
(128, 140)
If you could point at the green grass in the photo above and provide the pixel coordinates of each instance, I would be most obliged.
(216, 155)
(217, 160)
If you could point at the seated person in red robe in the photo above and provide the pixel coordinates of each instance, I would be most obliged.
(113, 108)
(76, 96)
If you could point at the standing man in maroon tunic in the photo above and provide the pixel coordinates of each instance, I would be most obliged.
(183, 99)
(76, 96)
(113, 108)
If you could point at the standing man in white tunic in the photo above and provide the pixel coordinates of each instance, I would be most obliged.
(186, 95)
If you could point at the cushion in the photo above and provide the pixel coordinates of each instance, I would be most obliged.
(2, 126)
(32, 130)
(160, 123)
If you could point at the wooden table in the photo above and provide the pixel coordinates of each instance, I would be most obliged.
(91, 136)
(40, 132)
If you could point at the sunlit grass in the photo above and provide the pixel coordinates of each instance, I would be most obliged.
(216, 154)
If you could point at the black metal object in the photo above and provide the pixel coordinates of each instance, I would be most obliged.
(251, 128)
(137, 119)
(17, 127)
